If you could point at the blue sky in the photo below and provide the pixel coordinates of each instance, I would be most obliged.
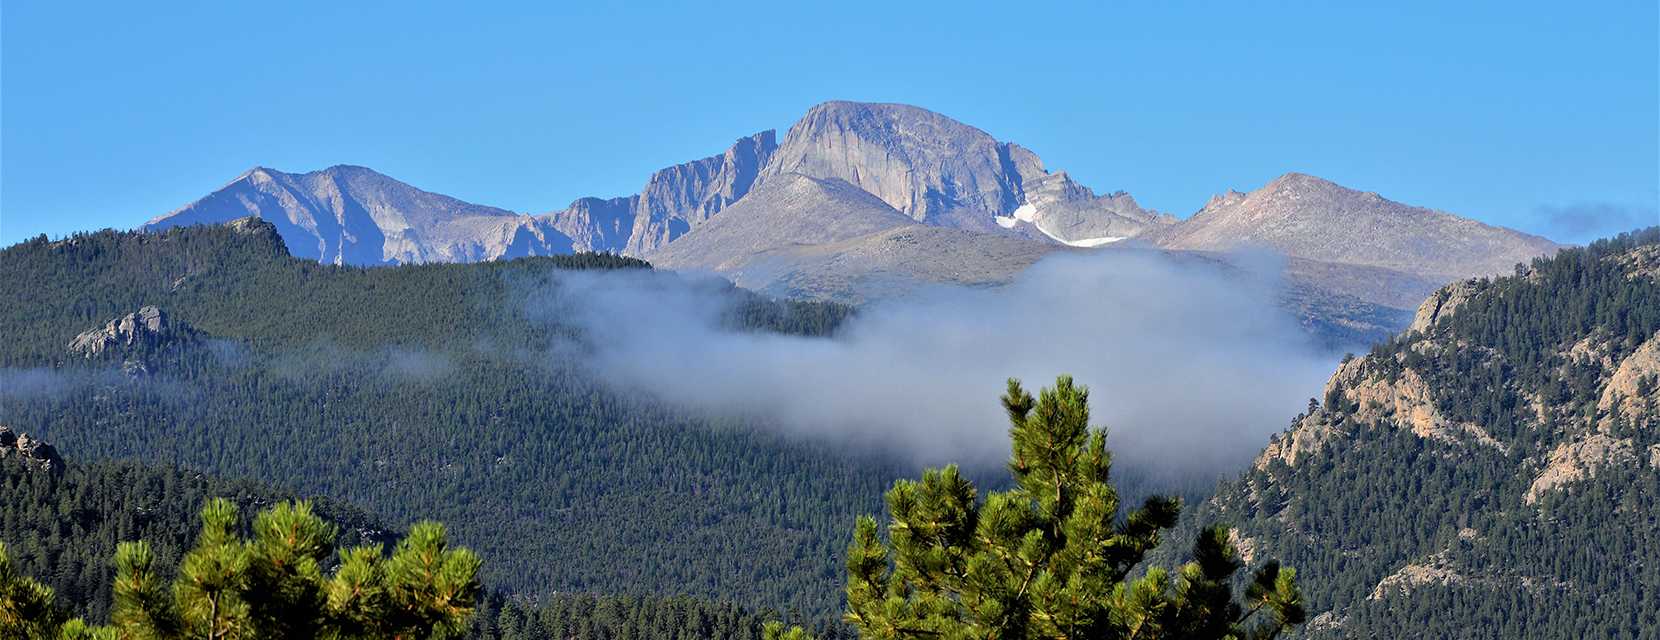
(1540, 116)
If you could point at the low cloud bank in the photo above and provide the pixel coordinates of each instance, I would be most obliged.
(1190, 365)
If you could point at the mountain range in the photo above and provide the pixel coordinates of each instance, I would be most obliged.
(861, 201)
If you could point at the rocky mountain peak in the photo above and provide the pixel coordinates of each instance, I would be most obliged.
(946, 173)
(348, 214)
(1308, 217)
(924, 164)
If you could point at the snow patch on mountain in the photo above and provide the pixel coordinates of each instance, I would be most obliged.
(1028, 213)
(1089, 242)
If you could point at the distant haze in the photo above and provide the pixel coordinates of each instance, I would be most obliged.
(1190, 368)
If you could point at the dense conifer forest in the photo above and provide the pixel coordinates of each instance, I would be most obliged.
(62, 527)
(429, 392)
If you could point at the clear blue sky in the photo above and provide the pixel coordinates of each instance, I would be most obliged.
(1541, 116)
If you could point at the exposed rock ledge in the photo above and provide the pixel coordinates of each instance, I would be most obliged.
(33, 453)
(1406, 402)
(1642, 262)
(147, 327)
(1443, 302)
(1571, 462)
(1633, 389)
(1434, 570)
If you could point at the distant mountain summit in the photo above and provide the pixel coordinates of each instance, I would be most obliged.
(864, 200)
(1307, 217)
(942, 172)
(933, 169)
(353, 215)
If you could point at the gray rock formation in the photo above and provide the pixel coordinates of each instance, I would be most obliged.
(1306, 217)
(1442, 303)
(353, 215)
(681, 197)
(675, 200)
(146, 328)
(943, 172)
(28, 451)
(597, 225)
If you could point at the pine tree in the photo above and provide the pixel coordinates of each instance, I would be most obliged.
(26, 606)
(1050, 558)
(270, 587)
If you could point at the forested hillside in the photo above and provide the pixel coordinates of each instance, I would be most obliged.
(422, 392)
(61, 526)
(1493, 472)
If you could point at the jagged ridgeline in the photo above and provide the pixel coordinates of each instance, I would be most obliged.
(450, 392)
(1492, 472)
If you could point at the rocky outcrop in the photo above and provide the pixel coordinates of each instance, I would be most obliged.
(149, 327)
(28, 451)
(1307, 436)
(1642, 262)
(353, 215)
(1372, 399)
(1443, 302)
(1245, 545)
(1633, 391)
(1406, 401)
(1574, 461)
(1435, 570)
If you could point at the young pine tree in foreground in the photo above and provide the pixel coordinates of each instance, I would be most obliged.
(272, 586)
(1049, 558)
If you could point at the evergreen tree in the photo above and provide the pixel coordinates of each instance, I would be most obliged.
(1050, 558)
(27, 610)
(271, 586)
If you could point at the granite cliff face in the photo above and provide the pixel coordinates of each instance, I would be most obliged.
(675, 200)
(596, 224)
(353, 215)
(942, 172)
(679, 198)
